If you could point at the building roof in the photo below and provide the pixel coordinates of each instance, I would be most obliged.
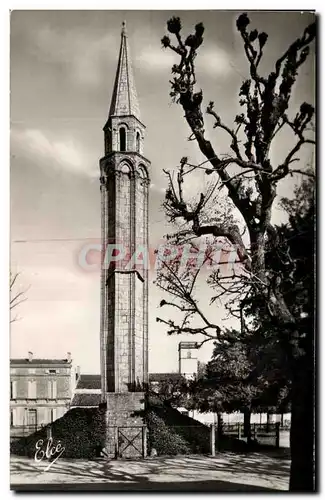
(124, 99)
(39, 361)
(94, 381)
(84, 400)
(188, 345)
(160, 377)
(89, 382)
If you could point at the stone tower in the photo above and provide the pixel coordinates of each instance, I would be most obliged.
(124, 225)
(188, 359)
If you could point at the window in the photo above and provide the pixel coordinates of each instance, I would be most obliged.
(11, 418)
(32, 418)
(32, 389)
(52, 415)
(189, 355)
(52, 371)
(52, 389)
(138, 142)
(13, 389)
(122, 139)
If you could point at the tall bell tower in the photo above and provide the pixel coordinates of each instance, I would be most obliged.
(124, 188)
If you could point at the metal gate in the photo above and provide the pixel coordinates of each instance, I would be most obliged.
(131, 441)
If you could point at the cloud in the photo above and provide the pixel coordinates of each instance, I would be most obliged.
(156, 188)
(65, 154)
(214, 61)
(156, 59)
(211, 60)
(83, 57)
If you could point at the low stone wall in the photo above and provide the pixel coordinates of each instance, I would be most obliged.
(125, 433)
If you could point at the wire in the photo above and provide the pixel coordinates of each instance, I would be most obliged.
(56, 239)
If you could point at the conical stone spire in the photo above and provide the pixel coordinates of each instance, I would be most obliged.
(124, 98)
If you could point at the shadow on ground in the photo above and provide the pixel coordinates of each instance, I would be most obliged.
(225, 472)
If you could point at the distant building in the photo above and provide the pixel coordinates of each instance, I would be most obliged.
(156, 378)
(40, 392)
(87, 393)
(188, 359)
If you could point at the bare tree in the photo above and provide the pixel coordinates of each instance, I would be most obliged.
(248, 180)
(16, 297)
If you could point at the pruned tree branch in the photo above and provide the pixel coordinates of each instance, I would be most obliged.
(16, 297)
(265, 100)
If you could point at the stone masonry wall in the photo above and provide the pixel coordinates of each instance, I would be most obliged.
(122, 339)
(124, 292)
(124, 424)
(132, 126)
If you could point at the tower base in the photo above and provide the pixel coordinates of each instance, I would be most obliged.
(126, 433)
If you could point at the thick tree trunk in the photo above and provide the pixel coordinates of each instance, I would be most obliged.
(247, 424)
(220, 424)
(302, 427)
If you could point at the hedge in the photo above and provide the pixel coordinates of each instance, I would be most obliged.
(164, 439)
(186, 434)
(81, 432)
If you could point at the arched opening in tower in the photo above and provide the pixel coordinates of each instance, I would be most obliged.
(122, 139)
(138, 142)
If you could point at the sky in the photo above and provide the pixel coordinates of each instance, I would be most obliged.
(62, 69)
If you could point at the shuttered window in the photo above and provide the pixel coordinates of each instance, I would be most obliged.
(52, 389)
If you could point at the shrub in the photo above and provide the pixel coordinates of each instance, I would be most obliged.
(193, 435)
(81, 432)
(164, 439)
(172, 433)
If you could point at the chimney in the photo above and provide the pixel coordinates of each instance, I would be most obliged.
(30, 356)
(69, 357)
(77, 373)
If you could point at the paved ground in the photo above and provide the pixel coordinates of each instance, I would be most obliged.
(225, 472)
(285, 439)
